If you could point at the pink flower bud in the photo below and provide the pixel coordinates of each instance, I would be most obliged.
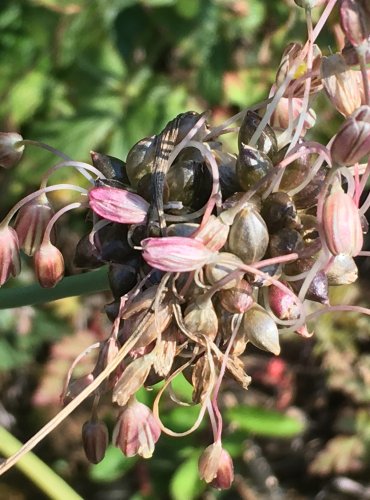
(352, 141)
(342, 224)
(31, 223)
(282, 303)
(136, 430)
(118, 205)
(209, 462)
(355, 20)
(94, 440)
(225, 472)
(10, 264)
(280, 117)
(214, 234)
(10, 153)
(49, 265)
(176, 253)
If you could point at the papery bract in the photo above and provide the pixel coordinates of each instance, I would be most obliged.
(118, 205)
(176, 253)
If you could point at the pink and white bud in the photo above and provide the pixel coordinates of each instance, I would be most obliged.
(352, 141)
(136, 430)
(10, 264)
(49, 265)
(118, 205)
(31, 223)
(10, 153)
(95, 440)
(214, 234)
(225, 472)
(176, 253)
(342, 224)
(280, 116)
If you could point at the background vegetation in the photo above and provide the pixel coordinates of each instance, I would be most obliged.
(87, 75)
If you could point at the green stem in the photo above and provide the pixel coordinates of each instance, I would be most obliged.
(90, 282)
(37, 471)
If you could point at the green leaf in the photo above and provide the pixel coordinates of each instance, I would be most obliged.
(185, 483)
(26, 96)
(114, 466)
(263, 422)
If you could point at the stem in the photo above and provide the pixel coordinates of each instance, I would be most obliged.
(37, 193)
(82, 167)
(37, 471)
(86, 283)
(56, 216)
(42, 145)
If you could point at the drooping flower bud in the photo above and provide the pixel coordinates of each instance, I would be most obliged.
(49, 265)
(342, 224)
(10, 264)
(341, 84)
(216, 466)
(209, 462)
(176, 253)
(95, 440)
(31, 223)
(118, 205)
(225, 472)
(136, 430)
(355, 20)
(10, 153)
(352, 141)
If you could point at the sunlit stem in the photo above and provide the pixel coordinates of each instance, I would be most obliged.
(42, 145)
(81, 166)
(56, 216)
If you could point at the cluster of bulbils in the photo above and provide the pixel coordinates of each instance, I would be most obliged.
(249, 240)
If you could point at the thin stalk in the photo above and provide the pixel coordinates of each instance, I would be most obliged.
(37, 471)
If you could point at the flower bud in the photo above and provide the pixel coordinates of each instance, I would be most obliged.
(200, 319)
(342, 224)
(214, 234)
(261, 329)
(10, 264)
(209, 462)
(49, 265)
(176, 253)
(280, 117)
(76, 387)
(95, 440)
(352, 141)
(118, 205)
(282, 303)
(10, 153)
(355, 20)
(341, 84)
(225, 472)
(136, 430)
(31, 223)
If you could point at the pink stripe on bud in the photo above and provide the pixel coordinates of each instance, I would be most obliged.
(176, 253)
(118, 205)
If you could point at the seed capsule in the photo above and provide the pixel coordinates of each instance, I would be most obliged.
(279, 211)
(95, 440)
(248, 236)
(238, 299)
(261, 329)
(342, 271)
(251, 166)
(139, 160)
(228, 263)
(285, 241)
(200, 319)
(267, 142)
(111, 167)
